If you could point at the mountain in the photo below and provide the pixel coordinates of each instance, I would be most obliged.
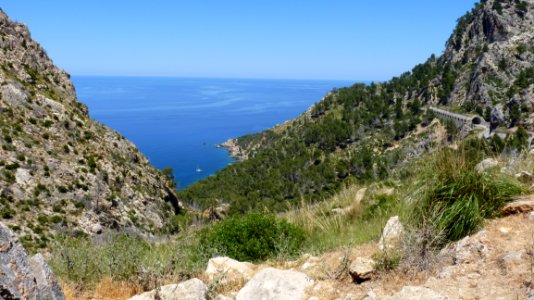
(365, 132)
(59, 169)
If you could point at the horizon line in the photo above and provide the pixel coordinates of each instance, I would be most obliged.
(220, 77)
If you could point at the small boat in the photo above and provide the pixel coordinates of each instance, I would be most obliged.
(198, 170)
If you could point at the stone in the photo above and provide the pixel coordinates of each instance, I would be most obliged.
(512, 260)
(521, 206)
(370, 295)
(505, 230)
(359, 196)
(22, 176)
(193, 289)
(486, 164)
(274, 284)
(524, 176)
(228, 270)
(391, 234)
(469, 250)
(23, 277)
(96, 228)
(416, 293)
(362, 269)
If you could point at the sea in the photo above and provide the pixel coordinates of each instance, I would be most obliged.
(177, 122)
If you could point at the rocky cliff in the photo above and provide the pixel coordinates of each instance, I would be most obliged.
(491, 59)
(59, 169)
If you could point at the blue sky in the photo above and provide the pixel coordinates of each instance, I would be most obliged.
(300, 39)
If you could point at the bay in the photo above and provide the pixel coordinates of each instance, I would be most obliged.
(176, 122)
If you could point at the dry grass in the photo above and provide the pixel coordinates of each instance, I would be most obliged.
(222, 285)
(106, 289)
(346, 219)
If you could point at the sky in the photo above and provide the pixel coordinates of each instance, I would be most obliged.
(287, 39)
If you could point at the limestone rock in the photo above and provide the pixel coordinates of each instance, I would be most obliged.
(523, 205)
(469, 249)
(227, 269)
(359, 196)
(23, 277)
(486, 164)
(223, 297)
(371, 295)
(391, 234)
(273, 284)
(74, 162)
(193, 289)
(416, 293)
(362, 269)
(524, 176)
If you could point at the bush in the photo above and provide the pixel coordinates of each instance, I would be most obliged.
(252, 237)
(457, 197)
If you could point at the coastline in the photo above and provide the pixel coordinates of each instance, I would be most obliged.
(233, 150)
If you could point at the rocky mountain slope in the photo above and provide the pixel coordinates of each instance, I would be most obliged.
(365, 132)
(59, 169)
(492, 54)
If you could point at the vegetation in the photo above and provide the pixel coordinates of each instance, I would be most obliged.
(343, 140)
(252, 237)
(457, 197)
(121, 257)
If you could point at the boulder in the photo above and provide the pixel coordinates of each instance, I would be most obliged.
(273, 284)
(362, 269)
(391, 234)
(524, 176)
(359, 197)
(416, 293)
(486, 164)
(23, 277)
(227, 269)
(193, 289)
(523, 205)
(470, 249)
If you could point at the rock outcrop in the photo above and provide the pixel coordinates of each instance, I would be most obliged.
(362, 269)
(416, 293)
(193, 289)
(486, 164)
(272, 284)
(225, 269)
(522, 205)
(23, 277)
(59, 169)
(391, 234)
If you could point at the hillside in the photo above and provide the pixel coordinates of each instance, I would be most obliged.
(365, 132)
(60, 170)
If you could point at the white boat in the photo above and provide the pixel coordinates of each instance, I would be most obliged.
(199, 170)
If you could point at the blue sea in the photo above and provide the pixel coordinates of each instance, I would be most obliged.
(176, 122)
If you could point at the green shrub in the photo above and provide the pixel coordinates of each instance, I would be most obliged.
(252, 237)
(386, 260)
(457, 197)
(7, 213)
(13, 166)
(47, 123)
(381, 207)
(9, 176)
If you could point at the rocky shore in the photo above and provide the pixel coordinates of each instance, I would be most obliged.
(234, 150)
